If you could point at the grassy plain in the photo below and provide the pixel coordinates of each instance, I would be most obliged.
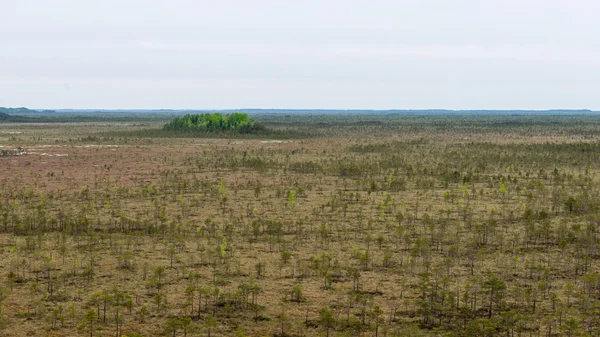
(354, 225)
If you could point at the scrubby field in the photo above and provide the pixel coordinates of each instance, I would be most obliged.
(376, 225)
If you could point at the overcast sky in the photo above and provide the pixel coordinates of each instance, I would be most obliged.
(386, 54)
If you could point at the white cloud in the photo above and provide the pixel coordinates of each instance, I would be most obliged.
(333, 53)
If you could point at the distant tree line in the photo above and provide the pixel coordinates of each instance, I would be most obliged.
(216, 122)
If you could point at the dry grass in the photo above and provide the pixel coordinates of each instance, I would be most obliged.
(332, 221)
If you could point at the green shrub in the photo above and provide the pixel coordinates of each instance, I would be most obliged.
(215, 122)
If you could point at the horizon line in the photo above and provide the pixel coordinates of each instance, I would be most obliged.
(295, 109)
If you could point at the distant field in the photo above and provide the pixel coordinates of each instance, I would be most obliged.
(372, 224)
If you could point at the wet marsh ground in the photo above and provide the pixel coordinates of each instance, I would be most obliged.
(366, 225)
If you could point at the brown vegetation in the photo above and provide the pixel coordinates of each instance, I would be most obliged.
(374, 226)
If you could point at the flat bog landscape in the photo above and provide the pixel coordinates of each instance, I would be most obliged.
(301, 224)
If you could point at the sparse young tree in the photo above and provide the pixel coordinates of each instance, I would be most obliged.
(326, 320)
(90, 317)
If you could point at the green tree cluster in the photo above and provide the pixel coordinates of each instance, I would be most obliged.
(215, 122)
